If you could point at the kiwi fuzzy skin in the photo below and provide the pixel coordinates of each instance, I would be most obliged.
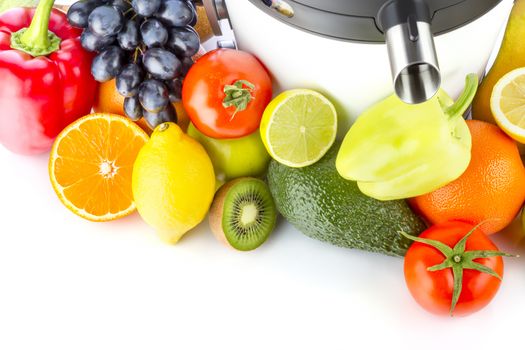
(216, 211)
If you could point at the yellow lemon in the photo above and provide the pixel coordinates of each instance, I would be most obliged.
(173, 182)
(508, 104)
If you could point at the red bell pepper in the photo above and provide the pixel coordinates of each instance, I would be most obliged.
(45, 77)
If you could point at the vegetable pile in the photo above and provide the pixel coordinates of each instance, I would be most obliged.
(408, 180)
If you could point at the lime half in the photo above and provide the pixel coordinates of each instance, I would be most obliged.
(298, 127)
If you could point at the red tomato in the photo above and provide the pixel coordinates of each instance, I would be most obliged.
(433, 290)
(225, 93)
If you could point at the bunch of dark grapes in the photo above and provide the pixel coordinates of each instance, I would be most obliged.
(146, 45)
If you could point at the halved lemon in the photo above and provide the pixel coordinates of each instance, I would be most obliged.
(298, 127)
(508, 104)
(91, 164)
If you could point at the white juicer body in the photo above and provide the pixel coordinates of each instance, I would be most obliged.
(356, 75)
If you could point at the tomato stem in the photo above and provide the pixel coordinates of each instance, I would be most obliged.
(238, 95)
(457, 259)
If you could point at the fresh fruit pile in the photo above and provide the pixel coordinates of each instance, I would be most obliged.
(244, 157)
(147, 45)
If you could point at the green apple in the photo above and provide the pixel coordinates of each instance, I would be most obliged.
(234, 158)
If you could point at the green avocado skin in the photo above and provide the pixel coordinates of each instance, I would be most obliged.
(324, 206)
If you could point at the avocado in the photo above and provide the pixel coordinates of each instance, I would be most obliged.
(324, 206)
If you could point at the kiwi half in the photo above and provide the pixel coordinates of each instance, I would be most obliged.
(243, 214)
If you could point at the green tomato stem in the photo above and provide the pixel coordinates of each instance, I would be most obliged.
(37, 40)
(238, 95)
(457, 272)
(463, 102)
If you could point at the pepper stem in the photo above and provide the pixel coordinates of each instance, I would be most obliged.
(37, 40)
(463, 102)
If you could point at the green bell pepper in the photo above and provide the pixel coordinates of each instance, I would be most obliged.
(396, 150)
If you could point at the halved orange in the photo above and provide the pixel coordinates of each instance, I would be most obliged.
(91, 163)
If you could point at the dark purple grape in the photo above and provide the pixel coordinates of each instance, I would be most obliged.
(175, 13)
(129, 79)
(162, 64)
(192, 4)
(153, 33)
(92, 42)
(132, 108)
(168, 114)
(153, 95)
(146, 8)
(184, 42)
(122, 5)
(194, 9)
(175, 90)
(108, 64)
(105, 21)
(187, 63)
(129, 37)
(78, 13)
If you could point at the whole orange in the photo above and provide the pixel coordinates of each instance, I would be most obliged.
(108, 100)
(491, 190)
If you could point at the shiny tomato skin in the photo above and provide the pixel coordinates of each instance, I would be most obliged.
(203, 93)
(433, 290)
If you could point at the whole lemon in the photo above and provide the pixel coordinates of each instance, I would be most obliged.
(173, 182)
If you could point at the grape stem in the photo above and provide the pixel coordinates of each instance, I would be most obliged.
(136, 54)
(37, 40)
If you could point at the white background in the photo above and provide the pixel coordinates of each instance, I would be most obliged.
(66, 283)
